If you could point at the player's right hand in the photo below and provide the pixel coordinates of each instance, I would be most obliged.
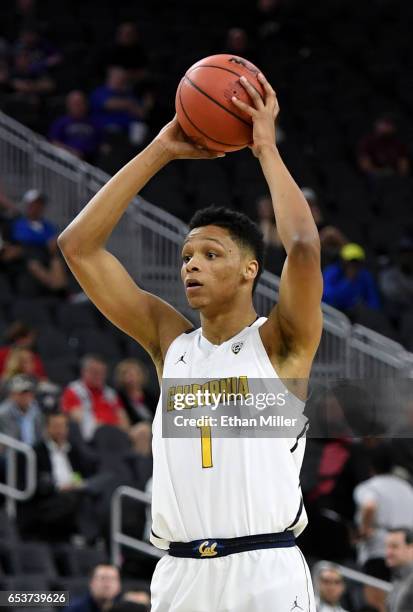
(178, 146)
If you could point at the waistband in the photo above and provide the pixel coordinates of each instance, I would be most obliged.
(221, 547)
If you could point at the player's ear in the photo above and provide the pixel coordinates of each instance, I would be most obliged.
(250, 269)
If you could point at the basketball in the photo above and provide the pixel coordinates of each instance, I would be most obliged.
(204, 107)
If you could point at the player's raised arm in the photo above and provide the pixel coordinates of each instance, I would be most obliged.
(295, 324)
(145, 317)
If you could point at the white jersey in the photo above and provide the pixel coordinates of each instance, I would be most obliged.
(253, 485)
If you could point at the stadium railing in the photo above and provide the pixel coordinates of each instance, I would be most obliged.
(10, 489)
(118, 537)
(148, 240)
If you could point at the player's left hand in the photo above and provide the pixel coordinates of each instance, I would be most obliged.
(263, 114)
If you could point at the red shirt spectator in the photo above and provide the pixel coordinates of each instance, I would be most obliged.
(90, 401)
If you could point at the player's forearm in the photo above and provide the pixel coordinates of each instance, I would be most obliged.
(92, 227)
(295, 223)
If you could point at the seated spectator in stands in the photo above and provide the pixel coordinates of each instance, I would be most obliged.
(128, 52)
(43, 55)
(399, 558)
(20, 360)
(140, 459)
(20, 335)
(130, 380)
(274, 250)
(90, 401)
(20, 415)
(330, 587)
(116, 108)
(331, 238)
(63, 503)
(28, 80)
(238, 43)
(396, 281)
(32, 229)
(45, 272)
(104, 590)
(76, 131)
(382, 152)
(383, 502)
(349, 283)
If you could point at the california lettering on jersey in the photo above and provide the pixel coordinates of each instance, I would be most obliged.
(223, 391)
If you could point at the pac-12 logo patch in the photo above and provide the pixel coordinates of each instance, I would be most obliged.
(236, 347)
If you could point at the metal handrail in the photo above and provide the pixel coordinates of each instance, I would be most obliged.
(117, 536)
(353, 575)
(10, 487)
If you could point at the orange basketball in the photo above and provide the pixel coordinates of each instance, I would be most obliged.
(204, 107)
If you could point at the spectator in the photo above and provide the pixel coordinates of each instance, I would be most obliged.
(90, 402)
(274, 251)
(45, 272)
(396, 281)
(331, 238)
(76, 131)
(20, 335)
(399, 558)
(383, 502)
(330, 587)
(128, 52)
(20, 415)
(33, 230)
(20, 360)
(29, 80)
(104, 589)
(43, 55)
(138, 597)
(130, 380)
(237, 43)
(349, 283)
(382, 152)
(140, 459)
(117, 109)
(61, 505)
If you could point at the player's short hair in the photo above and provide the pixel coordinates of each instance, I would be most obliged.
(408, 533)
(240, 227)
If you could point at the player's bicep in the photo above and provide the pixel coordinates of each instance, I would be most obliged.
(149, 320)
(298, 313)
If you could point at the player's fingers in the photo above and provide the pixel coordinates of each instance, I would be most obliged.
(244, 107)
(252, 92)
(268, 89)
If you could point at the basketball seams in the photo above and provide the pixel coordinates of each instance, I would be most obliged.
(226, 70)
(244, 121)
(226, 144)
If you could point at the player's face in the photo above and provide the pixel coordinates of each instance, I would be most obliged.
(212, 267)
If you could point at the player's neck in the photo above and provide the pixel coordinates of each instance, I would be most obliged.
(218, 328)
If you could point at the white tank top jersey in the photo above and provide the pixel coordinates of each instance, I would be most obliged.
(253, 486)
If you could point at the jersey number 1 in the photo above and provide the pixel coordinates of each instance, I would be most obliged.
(206, 446)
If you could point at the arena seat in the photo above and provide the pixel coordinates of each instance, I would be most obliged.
(71, 316)
(31, 559)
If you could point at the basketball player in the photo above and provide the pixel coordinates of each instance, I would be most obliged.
(228, 510)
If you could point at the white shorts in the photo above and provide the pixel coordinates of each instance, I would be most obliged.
(266, 580)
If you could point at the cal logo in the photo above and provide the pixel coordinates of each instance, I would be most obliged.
(207, 551)
(236, 347)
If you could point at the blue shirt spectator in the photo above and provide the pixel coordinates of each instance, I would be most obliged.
(348, 283)
(33, 229)
(114, 105)
(76, 131)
